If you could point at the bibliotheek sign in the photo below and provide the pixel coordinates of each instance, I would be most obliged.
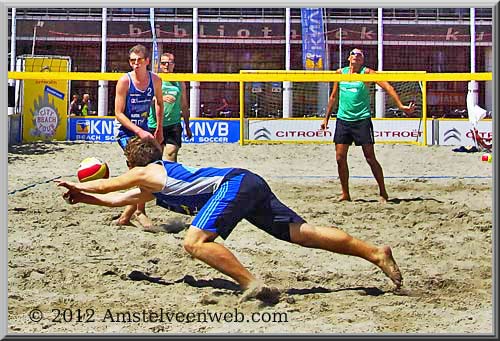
(250, 30)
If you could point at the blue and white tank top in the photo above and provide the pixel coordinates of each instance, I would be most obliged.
(137, 105)
(187, 189)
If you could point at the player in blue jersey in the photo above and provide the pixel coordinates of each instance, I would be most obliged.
(220, 198)
(135, 92)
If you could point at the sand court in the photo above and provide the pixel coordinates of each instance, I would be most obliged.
(70, 260)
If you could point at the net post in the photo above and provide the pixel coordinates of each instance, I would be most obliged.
(242, 113)
(424, 113)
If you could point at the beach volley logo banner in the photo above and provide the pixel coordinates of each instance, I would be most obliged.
(45, 101)
(313, 39)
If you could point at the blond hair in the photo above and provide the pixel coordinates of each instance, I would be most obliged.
(139, 49)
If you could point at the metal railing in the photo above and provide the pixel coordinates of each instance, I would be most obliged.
(332, 13)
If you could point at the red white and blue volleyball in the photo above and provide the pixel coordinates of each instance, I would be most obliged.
(92, 168)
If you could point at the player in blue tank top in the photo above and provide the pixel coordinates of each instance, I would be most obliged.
(137, 103)
(135, 92)
(220, 198)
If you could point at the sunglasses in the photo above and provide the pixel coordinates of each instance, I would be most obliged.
(167, 63)
(136, 60)
(354, 53)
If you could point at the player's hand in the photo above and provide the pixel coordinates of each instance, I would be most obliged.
(74, 197)
(159, 134)
(169, 99)
(409, 109)
(143, 134)
(189, 133)
(72, 186)
(324, 125)
(71, 197)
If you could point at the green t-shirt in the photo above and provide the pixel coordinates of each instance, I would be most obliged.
(85, 109)
(354, 99)
(171, 111)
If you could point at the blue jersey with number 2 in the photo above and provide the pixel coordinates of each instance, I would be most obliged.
(137, 106)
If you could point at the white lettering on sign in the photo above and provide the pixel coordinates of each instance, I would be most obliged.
(367, 34)
(451, 35)
(397, 133)
(46, 121)
(303, 133)
(134, 31)
(101, 127)
(209, 128)
(214, 139)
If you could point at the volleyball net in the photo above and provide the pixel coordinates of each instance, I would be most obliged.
(272, 106)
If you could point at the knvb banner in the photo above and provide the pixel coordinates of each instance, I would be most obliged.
(313, 39)
(88, 128)
(213, 131)
(104, 129)
(45, 107)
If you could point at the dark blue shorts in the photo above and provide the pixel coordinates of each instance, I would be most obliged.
(246, 195)
(361, 132)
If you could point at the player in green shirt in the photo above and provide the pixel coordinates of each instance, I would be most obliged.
(354, 121)
(175, 105)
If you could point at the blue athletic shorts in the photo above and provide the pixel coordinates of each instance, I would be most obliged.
(246, 195)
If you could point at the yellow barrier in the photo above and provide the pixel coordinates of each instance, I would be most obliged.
(294, 76)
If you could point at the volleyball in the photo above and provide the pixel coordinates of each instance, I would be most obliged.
(92, 168)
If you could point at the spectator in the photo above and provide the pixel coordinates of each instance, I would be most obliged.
(223, 109)
(87, 106)
(75, 107)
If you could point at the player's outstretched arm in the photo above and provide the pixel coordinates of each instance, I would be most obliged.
(137, 176)
(409, 109)
(115, 199)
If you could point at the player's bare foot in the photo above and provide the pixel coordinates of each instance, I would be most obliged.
(144, 221)
(389, 266)
(121, 221)
(261, 292)
(383, 197)
(345, 197)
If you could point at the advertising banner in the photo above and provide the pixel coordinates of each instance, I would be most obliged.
(88, 128)
(456, 132)
(308, 130)
(45, 108)
(213, 131)
(104, 129)
(313, 39)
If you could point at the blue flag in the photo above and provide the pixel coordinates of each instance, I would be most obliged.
(313, 39)
(155, 58)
